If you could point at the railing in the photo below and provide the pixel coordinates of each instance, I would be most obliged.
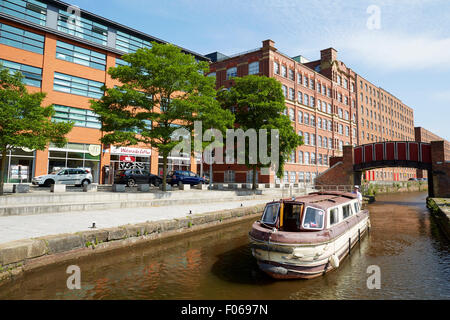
(344, 188)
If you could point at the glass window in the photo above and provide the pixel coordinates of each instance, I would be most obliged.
(270, 214)
(284, 88)
(81, 117)
(129, 44)
(78, 86)
(85, 57)
(284, 71)
(32, 75)
(232, 72)
(291, 94)
(300, 117)
(313, 219)
(31, 10)
(253, 68)
(334, 216)
(276, 68)
(291, 114)
(306, 118)
(21, 39)
(291, 74)
(301, 176)
(82, 28)
(120, 62)
(346, 211)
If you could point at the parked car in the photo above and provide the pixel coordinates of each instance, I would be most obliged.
(69, 176)
(133, 177)
(184, 177)
(413, 179)
(423, 179)
(206, 178)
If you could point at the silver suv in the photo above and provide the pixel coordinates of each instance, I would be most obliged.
(70, 176)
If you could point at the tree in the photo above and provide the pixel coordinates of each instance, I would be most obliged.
(24, 123)
(162, 89)
(259, 104)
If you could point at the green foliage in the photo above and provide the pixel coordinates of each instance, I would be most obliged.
(24, 123)
(258, 102)
(162, 90)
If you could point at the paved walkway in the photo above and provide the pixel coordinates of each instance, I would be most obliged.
(24, 227)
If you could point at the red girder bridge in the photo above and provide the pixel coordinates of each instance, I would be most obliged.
(348, 169)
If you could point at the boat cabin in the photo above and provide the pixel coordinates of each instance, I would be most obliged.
(314, 212)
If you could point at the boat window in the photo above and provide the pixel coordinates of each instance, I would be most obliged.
(334, 216)
(313, 219)
(291, 216)
(347, 211)
(271, 213)
(356, 206)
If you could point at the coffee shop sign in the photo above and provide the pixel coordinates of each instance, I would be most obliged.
(131, 151)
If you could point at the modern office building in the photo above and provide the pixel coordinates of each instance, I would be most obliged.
(423, 135)
(67, 58)
(327, 103)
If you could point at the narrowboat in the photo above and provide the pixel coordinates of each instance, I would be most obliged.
(307, 236)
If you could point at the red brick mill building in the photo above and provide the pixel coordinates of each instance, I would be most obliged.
(329, 104)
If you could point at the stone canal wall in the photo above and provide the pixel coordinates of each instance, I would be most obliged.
(440, 208)
(373, 189)
(21, 256)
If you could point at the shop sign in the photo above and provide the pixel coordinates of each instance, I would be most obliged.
(131, 165)
(94, 150)
(127, 159)
(131, 151)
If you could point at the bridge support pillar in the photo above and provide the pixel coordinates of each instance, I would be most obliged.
(439, 175)
(357, 178)
(430, 184)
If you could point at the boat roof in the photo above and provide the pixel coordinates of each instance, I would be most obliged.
(328, 199)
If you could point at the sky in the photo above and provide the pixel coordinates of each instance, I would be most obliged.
(402, 46)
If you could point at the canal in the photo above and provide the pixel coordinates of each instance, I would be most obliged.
(404, 242)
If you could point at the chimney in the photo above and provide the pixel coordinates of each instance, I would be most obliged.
(268, 44)
(329, 54)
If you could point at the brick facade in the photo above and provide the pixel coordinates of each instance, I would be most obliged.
(339, 100)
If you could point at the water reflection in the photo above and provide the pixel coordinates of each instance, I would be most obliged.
(406, 244)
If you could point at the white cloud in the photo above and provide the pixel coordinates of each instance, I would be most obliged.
(394, 51)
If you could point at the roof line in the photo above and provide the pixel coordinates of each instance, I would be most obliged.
(119, 25)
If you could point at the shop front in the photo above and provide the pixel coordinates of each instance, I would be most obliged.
(125, 158)
(19, 166)
(175, 163)
(75, 155)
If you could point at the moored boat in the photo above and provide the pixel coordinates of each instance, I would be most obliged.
(307, 236)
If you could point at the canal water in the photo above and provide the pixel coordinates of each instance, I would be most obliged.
(404, 242)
